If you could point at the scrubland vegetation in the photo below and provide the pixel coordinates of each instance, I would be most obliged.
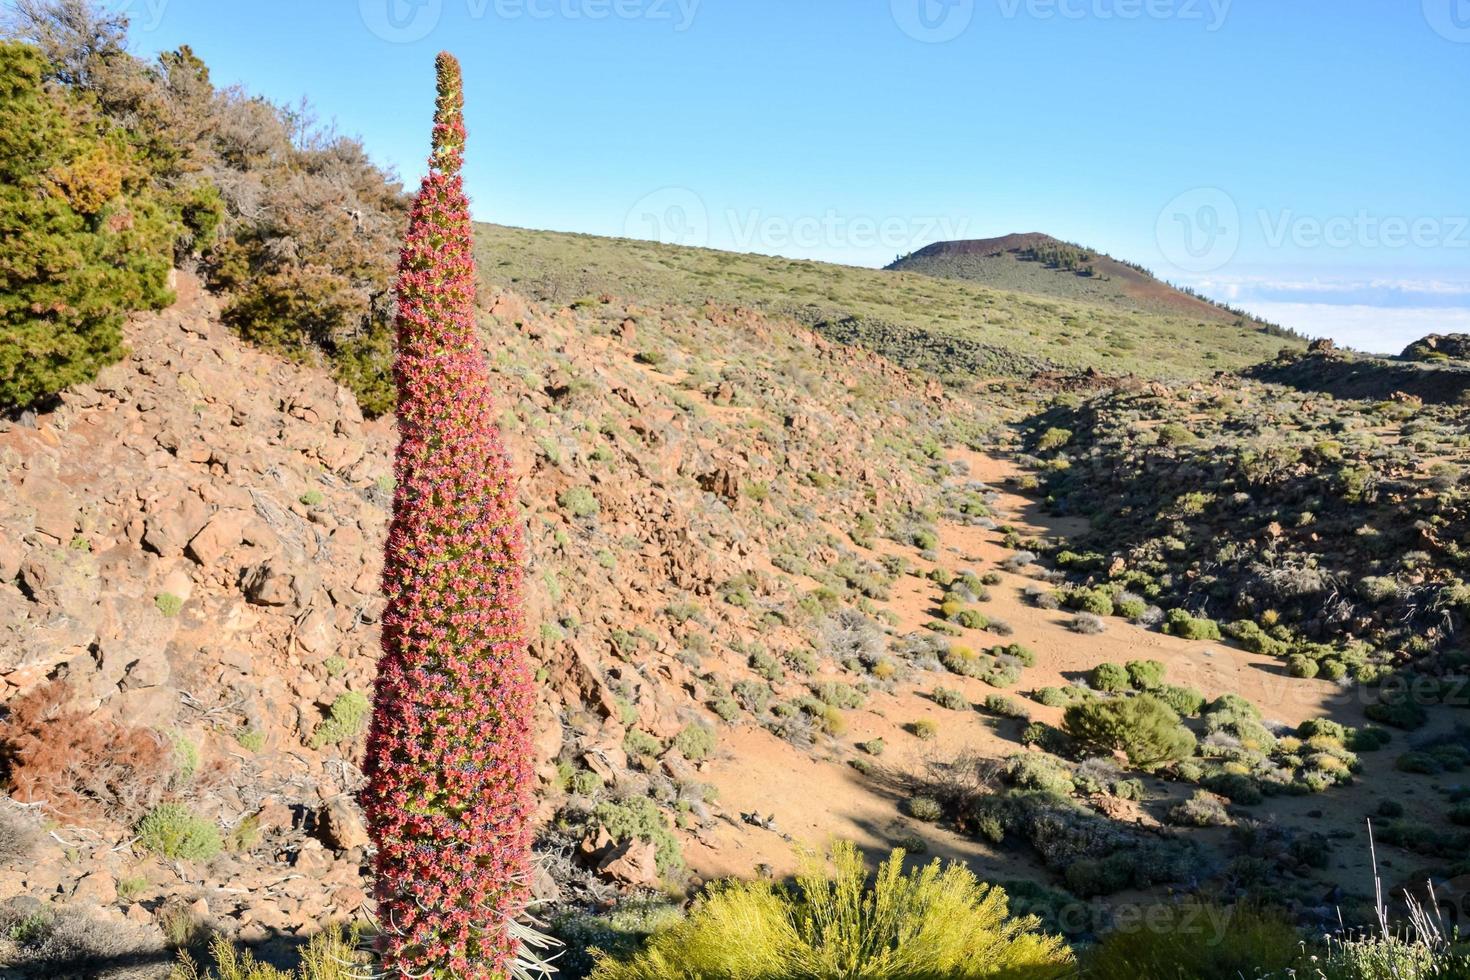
(116, 169)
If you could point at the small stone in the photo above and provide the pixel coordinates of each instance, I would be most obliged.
(342, 825)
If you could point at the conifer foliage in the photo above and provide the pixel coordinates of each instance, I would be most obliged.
(449, 762)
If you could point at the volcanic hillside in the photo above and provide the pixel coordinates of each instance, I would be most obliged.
(1041, 265)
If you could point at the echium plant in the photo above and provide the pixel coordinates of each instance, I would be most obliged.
(448, 799)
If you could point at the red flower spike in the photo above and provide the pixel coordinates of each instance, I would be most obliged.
(448, 799)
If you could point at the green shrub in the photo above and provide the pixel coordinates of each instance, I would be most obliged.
(1023, 655)
(331, 954)
(999, 704)
(1144, 727)
(1042, 773)
(1053, 438)
(1200, 810)
(1131, 608)
(948, 698)
(1301, 665)
(936, 922)
(638, 743)
(754, 695)
(639, 817)
(1236, 787)
(1146, 675)
(839, 695)
(618, 932)
(1198, 942)
(585, 782)
(1046, 738)
(1186, 701)
(972, 619)
(925, 728)
(86, 238)
(579, 502)
(1096, 601)
(345, 720)
(1109, 677)
(924, 808)
(1180, 623)
(696, 742)
(168, 604)
(173, 831)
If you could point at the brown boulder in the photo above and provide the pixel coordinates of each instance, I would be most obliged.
(218, 536)
(633, 863)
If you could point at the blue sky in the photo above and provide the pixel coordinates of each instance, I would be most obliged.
(1307, 159)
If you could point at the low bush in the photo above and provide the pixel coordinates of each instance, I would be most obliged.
(925, 728)
(999, 704)
(696, 742)
(171, 830)
(78, 765)
(1143, 727)
(1146, 675)
(836, 922)
(345, 720)
(1180, 623)
(579, 502)
(1185, 701)
(330, 955)
(1200, 810)
(1109, 677)
(1197, 941)
(1087, 624)
(924, 808)
(948, 698)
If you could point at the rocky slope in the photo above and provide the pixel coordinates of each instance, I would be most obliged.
(190, 545)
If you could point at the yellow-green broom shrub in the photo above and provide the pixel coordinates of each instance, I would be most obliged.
(929, 923)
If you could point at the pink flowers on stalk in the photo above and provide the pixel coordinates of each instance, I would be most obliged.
(449, 764)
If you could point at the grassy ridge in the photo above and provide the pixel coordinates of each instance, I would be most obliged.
(958, 330)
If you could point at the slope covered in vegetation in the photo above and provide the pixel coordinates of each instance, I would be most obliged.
(954, 329)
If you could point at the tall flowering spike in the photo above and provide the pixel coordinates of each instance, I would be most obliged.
(448, 798)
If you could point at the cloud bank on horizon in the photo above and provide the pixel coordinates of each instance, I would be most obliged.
(1377, 313)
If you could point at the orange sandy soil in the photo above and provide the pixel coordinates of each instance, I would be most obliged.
(817, 796)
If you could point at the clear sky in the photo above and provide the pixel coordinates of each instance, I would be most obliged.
(1307, 159)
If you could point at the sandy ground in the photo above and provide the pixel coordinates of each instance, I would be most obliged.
(818, 796)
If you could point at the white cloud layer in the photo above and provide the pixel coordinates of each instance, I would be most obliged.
(1376, 329)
